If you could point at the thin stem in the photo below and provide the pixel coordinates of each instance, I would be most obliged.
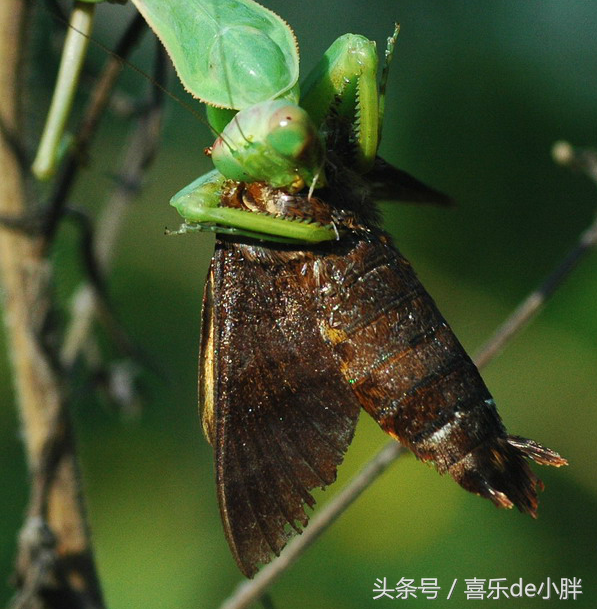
(97, 105)
(73, 57)
(249, 591)
(531, 305)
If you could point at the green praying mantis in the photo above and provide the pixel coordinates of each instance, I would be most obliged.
(270, 131)
(242, 61)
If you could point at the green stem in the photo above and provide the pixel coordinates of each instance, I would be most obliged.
(73, 55)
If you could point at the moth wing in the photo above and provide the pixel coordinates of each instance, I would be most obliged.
(280, 414)
(388, 183)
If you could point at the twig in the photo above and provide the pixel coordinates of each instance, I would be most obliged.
(249, 591)
(95, 295)
(63, 570)
(37, 536)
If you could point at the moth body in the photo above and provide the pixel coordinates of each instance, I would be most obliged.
(306, 336)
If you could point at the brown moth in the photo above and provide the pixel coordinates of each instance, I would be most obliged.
(296, 340)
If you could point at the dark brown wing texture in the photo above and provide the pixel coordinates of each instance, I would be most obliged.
(388, 183)
(283, 415)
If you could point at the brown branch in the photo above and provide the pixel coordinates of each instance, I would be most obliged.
(55, 566)
(250, 591)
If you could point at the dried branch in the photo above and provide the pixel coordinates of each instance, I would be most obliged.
(55, 566)
(250, 591)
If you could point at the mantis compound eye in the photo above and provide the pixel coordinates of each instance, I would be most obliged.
(291, 132)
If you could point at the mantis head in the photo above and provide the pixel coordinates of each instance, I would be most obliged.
(273, 141)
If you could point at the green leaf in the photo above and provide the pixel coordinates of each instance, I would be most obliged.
(228, 53)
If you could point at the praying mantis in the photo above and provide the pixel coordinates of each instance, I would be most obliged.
(309, 312)
(278, 134)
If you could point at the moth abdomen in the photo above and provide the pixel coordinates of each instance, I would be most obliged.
(499, 471)
(412, 375)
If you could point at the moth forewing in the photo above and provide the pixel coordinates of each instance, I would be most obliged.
(283, 415)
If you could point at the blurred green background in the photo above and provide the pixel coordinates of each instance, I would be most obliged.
(478, 93)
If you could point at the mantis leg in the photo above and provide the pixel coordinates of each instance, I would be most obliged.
(346, 78)
(383, 82)
(199, 204)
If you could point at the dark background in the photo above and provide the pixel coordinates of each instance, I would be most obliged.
(479, 91)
